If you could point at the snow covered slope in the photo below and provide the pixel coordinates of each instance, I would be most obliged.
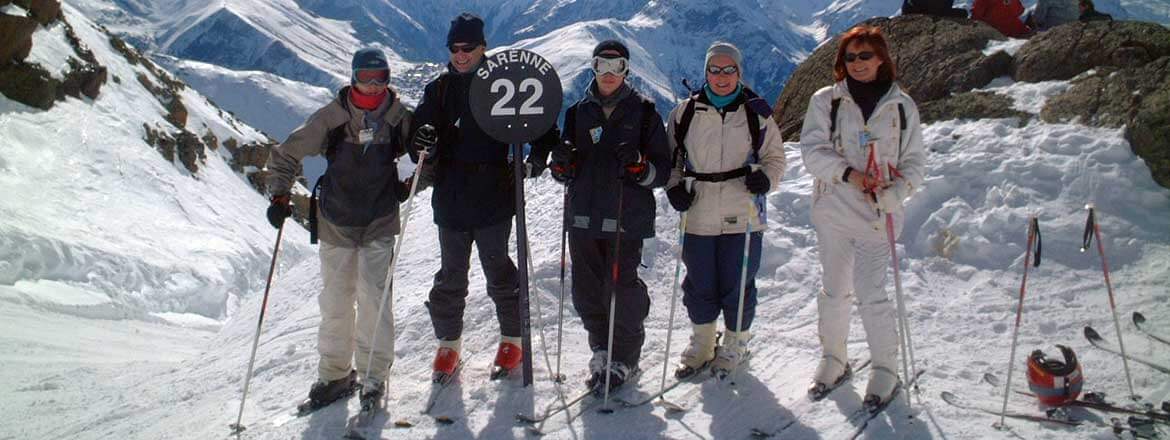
(109, 252)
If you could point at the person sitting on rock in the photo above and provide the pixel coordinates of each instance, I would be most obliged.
(1003, 15)
(941, 8)
(1052, 13)
(1089, 12)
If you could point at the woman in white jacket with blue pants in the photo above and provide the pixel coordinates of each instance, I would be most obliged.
(862, 140)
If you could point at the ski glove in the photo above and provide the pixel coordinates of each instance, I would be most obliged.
(627, 154)
(562, 167)
(425, 140)
(279, 210)
(679, 197)
(890, 199)
(757, 182)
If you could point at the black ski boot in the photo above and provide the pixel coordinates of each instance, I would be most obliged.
(323, 394)
(619, 373)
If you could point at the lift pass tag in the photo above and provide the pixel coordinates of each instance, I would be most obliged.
(366, 136)
(595, 134)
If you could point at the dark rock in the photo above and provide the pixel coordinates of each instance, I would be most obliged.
(936, 57)
(970, 105)
(79, 47)
(177, 112)
(210, 140)
(132, 56)
(28, 84)
(43, 11)
(190, 150)
(253, 155)
(1068, 50)
(1136, 98)
(83, 80)
(17, 40)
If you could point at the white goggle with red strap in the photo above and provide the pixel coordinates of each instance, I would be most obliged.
(616, 66)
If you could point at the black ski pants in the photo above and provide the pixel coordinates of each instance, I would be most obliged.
(448, 297)
(592, 281)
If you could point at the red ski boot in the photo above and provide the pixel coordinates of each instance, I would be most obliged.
(446, 361)
(508, 357)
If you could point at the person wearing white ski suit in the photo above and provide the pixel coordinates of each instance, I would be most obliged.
(850, 225)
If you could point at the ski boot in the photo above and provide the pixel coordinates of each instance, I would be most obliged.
(730, 354)
(323, 393)
(882, 387)
(446, 360)
(371, 397)
(509, 356)
(699, 353)
(828, 377)
(596, 368)
(619, 373)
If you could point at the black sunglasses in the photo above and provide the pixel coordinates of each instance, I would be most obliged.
(863, 56)
(464, 49)
(726, 70)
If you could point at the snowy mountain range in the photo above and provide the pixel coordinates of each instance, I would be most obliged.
(130, 284)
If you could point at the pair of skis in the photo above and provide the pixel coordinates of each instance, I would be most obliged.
(537, 422)
(1097, 341)
(855, 368)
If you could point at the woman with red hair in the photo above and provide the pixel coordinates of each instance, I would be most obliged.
(862, 141)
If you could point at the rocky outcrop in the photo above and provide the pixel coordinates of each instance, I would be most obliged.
(28, 84)
(182, 145)
(970, 105)
(43, 11)
(936, 57)
(17, 41)
(1137, 98)
(1066, 51)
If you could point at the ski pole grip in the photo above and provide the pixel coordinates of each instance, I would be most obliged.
(1039, 240)
(1090, 222)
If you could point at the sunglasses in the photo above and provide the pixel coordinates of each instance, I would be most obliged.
(378, 77)
(465, 49)
(863, 56)
(616, 66)
(725, 70)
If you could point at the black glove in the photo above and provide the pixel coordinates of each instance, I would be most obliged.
(279, 210)
(425, 140)
(635, 172)
(627, 154)
(757, 182)
(679, 197)
(402, 191)
(562, 167)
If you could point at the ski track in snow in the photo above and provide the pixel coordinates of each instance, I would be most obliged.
(108, 320)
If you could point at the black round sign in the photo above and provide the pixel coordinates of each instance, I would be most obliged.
(515, 96)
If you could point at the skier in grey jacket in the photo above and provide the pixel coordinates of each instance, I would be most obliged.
(361, 133)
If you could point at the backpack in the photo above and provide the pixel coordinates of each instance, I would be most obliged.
(754, 106)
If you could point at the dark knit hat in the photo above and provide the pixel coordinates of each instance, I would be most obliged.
(614, 45)
(466, 28)
(367, 59)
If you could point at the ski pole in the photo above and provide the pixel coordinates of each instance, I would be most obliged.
(743, 270)
(617, 247)
(557, 377)
(1092, 230)
(904, 341)
(422, 157)
(682, 235)
(238, 427)
(1033, 238)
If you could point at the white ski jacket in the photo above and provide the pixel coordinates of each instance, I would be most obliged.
(837, 204)
(718, 143)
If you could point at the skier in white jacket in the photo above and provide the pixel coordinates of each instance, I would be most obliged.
(725, 140)
(866, 162)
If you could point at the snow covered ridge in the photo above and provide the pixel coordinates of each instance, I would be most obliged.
(126, 194)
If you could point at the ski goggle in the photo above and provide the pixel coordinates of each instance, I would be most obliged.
(372, 77)
(726, 70)
(615, 66)
(863, 56)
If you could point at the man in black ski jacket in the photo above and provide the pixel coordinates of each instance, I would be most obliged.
(615, 153)
(473, 201)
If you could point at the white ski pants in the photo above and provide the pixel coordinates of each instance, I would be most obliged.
(856, 268)
(355, 275)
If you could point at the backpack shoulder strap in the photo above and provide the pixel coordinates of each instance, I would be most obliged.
(648, 110)
(680, 130)
(756, 107)
(901, 116)
(833, 106)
